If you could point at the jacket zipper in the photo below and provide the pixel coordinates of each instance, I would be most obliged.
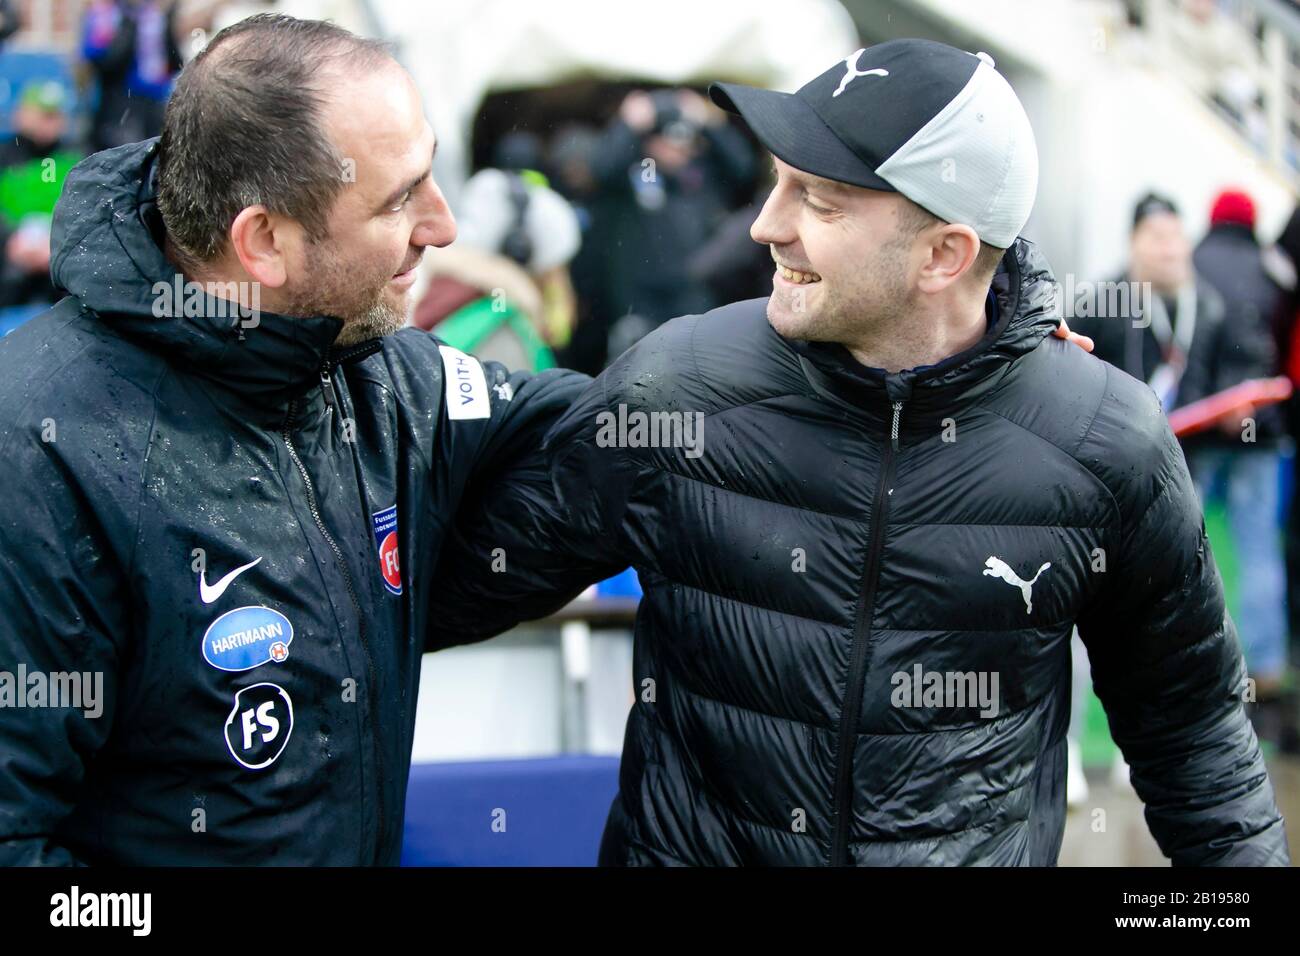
(326, 385)
(858, 657)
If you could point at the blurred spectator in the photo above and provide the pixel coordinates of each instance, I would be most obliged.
(571, 155)
(502, 291)
(8, 20)
(1172, 340)
(132, 49)
(195, 20)
(572, 152)
(731, 263)
(517, 150)
(1201, 331)
(1285, 268)
(1230, 259)
(33, 165)
(1155, 332)
(669, 169)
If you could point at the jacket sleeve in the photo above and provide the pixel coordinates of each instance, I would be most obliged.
(604, 487)
(61, 612)
(1167, 666)
(509, 556)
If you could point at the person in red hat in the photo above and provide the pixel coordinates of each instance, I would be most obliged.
(1233, 206)
(1240, 462)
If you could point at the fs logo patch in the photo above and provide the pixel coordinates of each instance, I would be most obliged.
(386, 538)
(259, 725)
(247, 637)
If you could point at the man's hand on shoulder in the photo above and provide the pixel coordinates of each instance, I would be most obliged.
(1063, 332)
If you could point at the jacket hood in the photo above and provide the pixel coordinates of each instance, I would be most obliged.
(106, 250)
(1025, 291)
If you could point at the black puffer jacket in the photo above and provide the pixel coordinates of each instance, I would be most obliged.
(238, 529)
(843, 529)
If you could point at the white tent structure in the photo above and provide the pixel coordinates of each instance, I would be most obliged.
(460, 52)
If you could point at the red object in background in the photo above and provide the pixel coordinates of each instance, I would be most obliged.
(1201, 415)
(1293, 352)
(1233, 205)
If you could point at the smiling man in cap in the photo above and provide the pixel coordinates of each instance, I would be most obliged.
(853, 647)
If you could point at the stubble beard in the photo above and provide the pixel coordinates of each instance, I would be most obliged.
(360, 301)
(379, 320)
(876, 305)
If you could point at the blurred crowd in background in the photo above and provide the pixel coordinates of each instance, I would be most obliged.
(596, 207)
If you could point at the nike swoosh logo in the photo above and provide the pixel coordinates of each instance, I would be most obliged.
(210, 594)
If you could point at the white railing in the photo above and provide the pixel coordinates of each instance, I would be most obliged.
(1243, 58)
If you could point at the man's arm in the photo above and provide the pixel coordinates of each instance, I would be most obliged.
(619, 146)
(511, 555)
(61, 612)
(1167, 666)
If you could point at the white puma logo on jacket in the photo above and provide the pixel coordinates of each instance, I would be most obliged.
(997, 568)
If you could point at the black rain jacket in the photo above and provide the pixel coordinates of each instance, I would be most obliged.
(238, 528)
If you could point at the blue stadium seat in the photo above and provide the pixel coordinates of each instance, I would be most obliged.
(551, 812)
(16, 315)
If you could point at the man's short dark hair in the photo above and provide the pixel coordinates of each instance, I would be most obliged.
(243, 127)
(914, 218)
(1151, 204)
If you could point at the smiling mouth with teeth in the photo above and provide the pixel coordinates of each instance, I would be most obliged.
(802, 278)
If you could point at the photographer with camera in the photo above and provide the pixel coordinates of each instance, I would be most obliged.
(669, 169)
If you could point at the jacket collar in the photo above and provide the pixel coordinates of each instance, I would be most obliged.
(1025, 291)
(107, 251)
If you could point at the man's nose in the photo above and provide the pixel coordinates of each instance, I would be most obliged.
(437, 225)
(438, 232)
(772, 226)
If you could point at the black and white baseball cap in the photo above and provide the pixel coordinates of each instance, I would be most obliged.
(924, 119)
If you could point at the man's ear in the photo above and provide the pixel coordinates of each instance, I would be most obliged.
(953, 248)
(260, 241)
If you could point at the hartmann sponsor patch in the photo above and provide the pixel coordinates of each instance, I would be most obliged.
(467, 391)
(247, 637)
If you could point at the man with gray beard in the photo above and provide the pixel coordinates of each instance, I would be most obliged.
(234, 497)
